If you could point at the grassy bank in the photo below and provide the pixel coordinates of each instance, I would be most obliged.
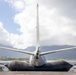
(10, 58)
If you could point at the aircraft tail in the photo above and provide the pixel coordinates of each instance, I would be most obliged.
(37, 31)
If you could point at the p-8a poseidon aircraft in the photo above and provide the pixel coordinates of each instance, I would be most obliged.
(37, 60)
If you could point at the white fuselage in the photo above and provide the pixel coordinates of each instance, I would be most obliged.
(36, 59)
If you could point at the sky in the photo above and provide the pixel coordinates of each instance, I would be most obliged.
(57, 22)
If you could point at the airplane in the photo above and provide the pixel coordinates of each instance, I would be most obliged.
(37, 60)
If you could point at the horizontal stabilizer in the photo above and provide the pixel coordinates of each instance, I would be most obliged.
(55, 51)
(16, 50)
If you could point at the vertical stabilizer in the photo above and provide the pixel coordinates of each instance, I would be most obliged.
(37, 30)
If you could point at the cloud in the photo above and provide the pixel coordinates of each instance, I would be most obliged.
(19, 5)
(55, 28)
(64, 7)
(4, 35)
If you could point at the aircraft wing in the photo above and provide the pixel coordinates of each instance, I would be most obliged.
(55, 51)
(16, 50)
